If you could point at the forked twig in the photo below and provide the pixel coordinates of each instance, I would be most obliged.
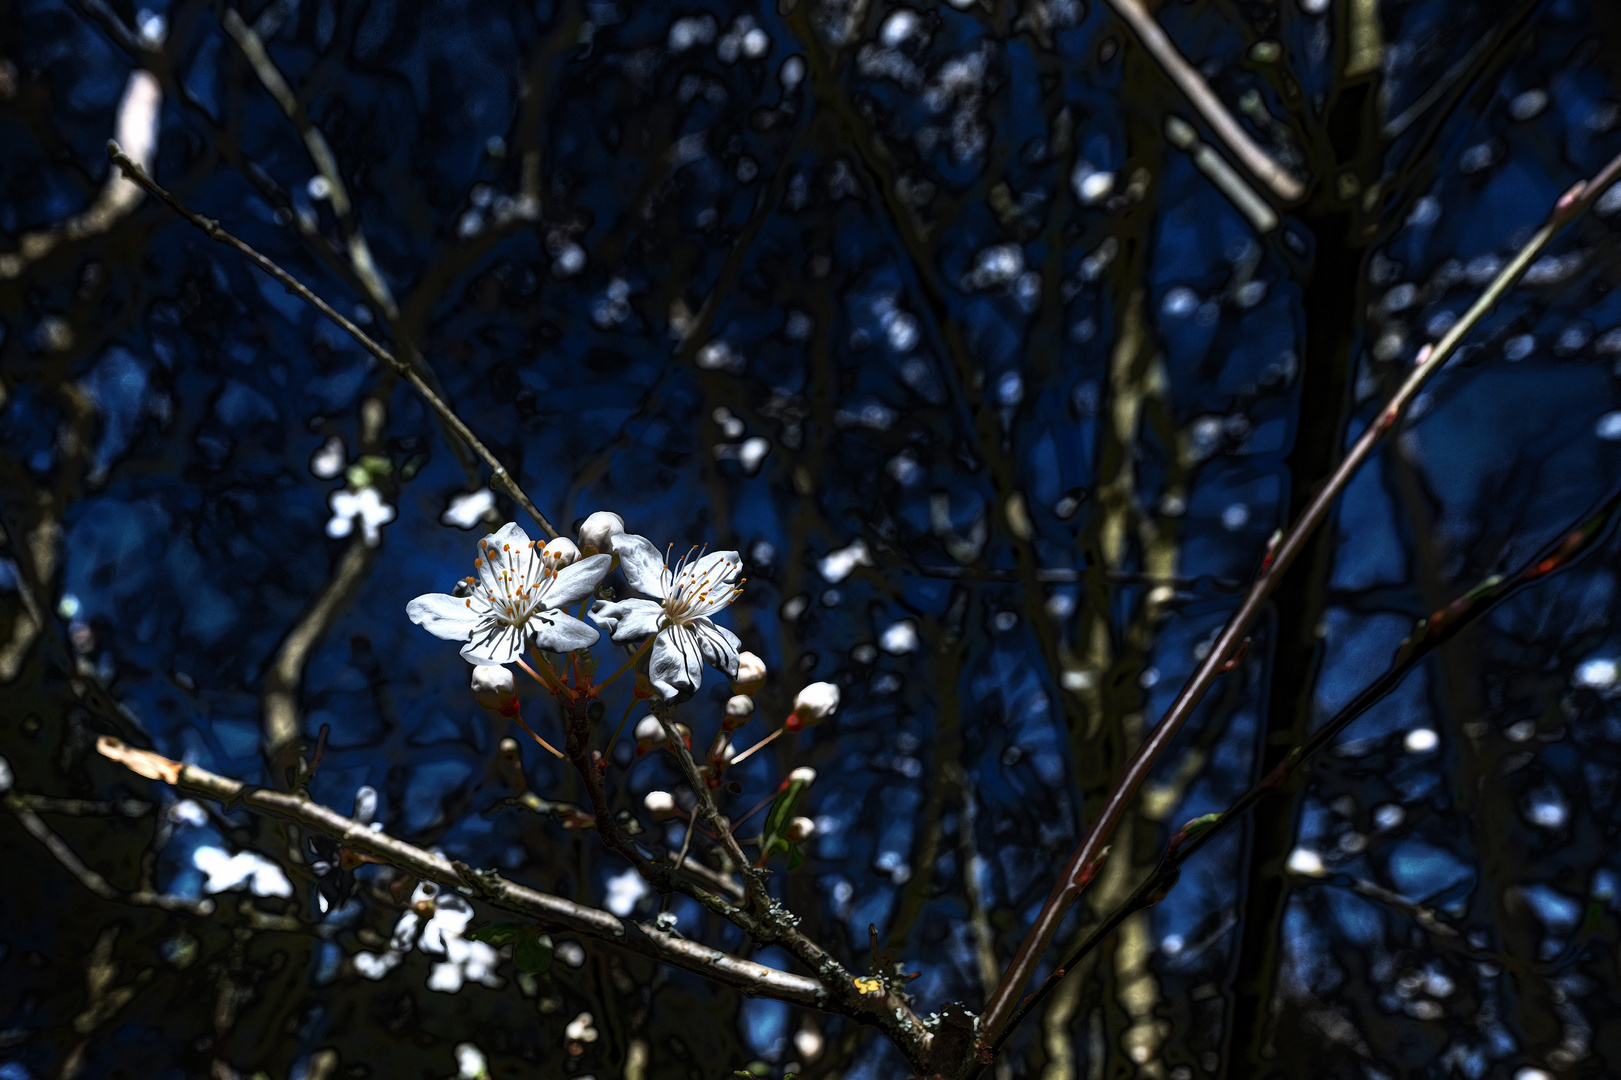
(500, 479)
(1072, 879)
(1429, 635)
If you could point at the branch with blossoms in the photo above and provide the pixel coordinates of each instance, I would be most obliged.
(513, 611)
(526, 606)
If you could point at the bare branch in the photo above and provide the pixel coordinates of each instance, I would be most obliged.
(643, 938)
(500, 479)
(1429, 635)
(19, 805)
(1430, 359)
(1228, 131)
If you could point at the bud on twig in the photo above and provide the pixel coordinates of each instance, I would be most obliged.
(559, 553)
(598, 530)
(495, 689)
(815, 703)
(649, 734)
(661, 804)
(750, 674)
(738, 710)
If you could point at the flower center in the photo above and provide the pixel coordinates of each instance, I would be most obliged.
(697, 589)
(520, 587)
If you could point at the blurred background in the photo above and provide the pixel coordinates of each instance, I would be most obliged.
(967, 332)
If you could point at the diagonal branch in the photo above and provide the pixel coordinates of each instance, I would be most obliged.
(643, 938)
(1228, 131)
(23, 807)
(1073, 878)
(500, 479)
(1427, 636)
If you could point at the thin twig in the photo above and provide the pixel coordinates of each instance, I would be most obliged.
(58, 847)
(500, 479)
(1228, 131)
(1430, 359)
(1429, 635)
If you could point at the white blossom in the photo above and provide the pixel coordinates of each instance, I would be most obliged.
(467, 507)
(440, 936)
(365, 504)
(625, 891)
(227, 872)
(659, 803)
(516, 599)
(678, 616)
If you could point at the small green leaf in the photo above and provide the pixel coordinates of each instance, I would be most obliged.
(498, 934)
(533, 953)
(796, 858)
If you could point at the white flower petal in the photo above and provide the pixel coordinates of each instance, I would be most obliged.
(676, 667)
(577, 581)
(507, 550)
(643, 565)
(628, 620)
(560, 632)
(718, 646)
(494, 642)
(443, 616)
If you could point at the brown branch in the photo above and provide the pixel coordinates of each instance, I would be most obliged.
(500, 479)
(1228, 131)
(888, 1011)
(279, 698)
(642, 938)
(325, 162)
(20, 806)
(1427, 636)
(1430, 360)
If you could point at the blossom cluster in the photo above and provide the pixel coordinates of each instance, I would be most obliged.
(519, 597)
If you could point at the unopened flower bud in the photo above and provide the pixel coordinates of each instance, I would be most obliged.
(365, 804)
(803, 775)
(738, 710)
(661, 804)
(494, 688)
(815, 703)
(649, 735)
(559, 553)
(750, 674)
(800, 829)
(598, 530)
